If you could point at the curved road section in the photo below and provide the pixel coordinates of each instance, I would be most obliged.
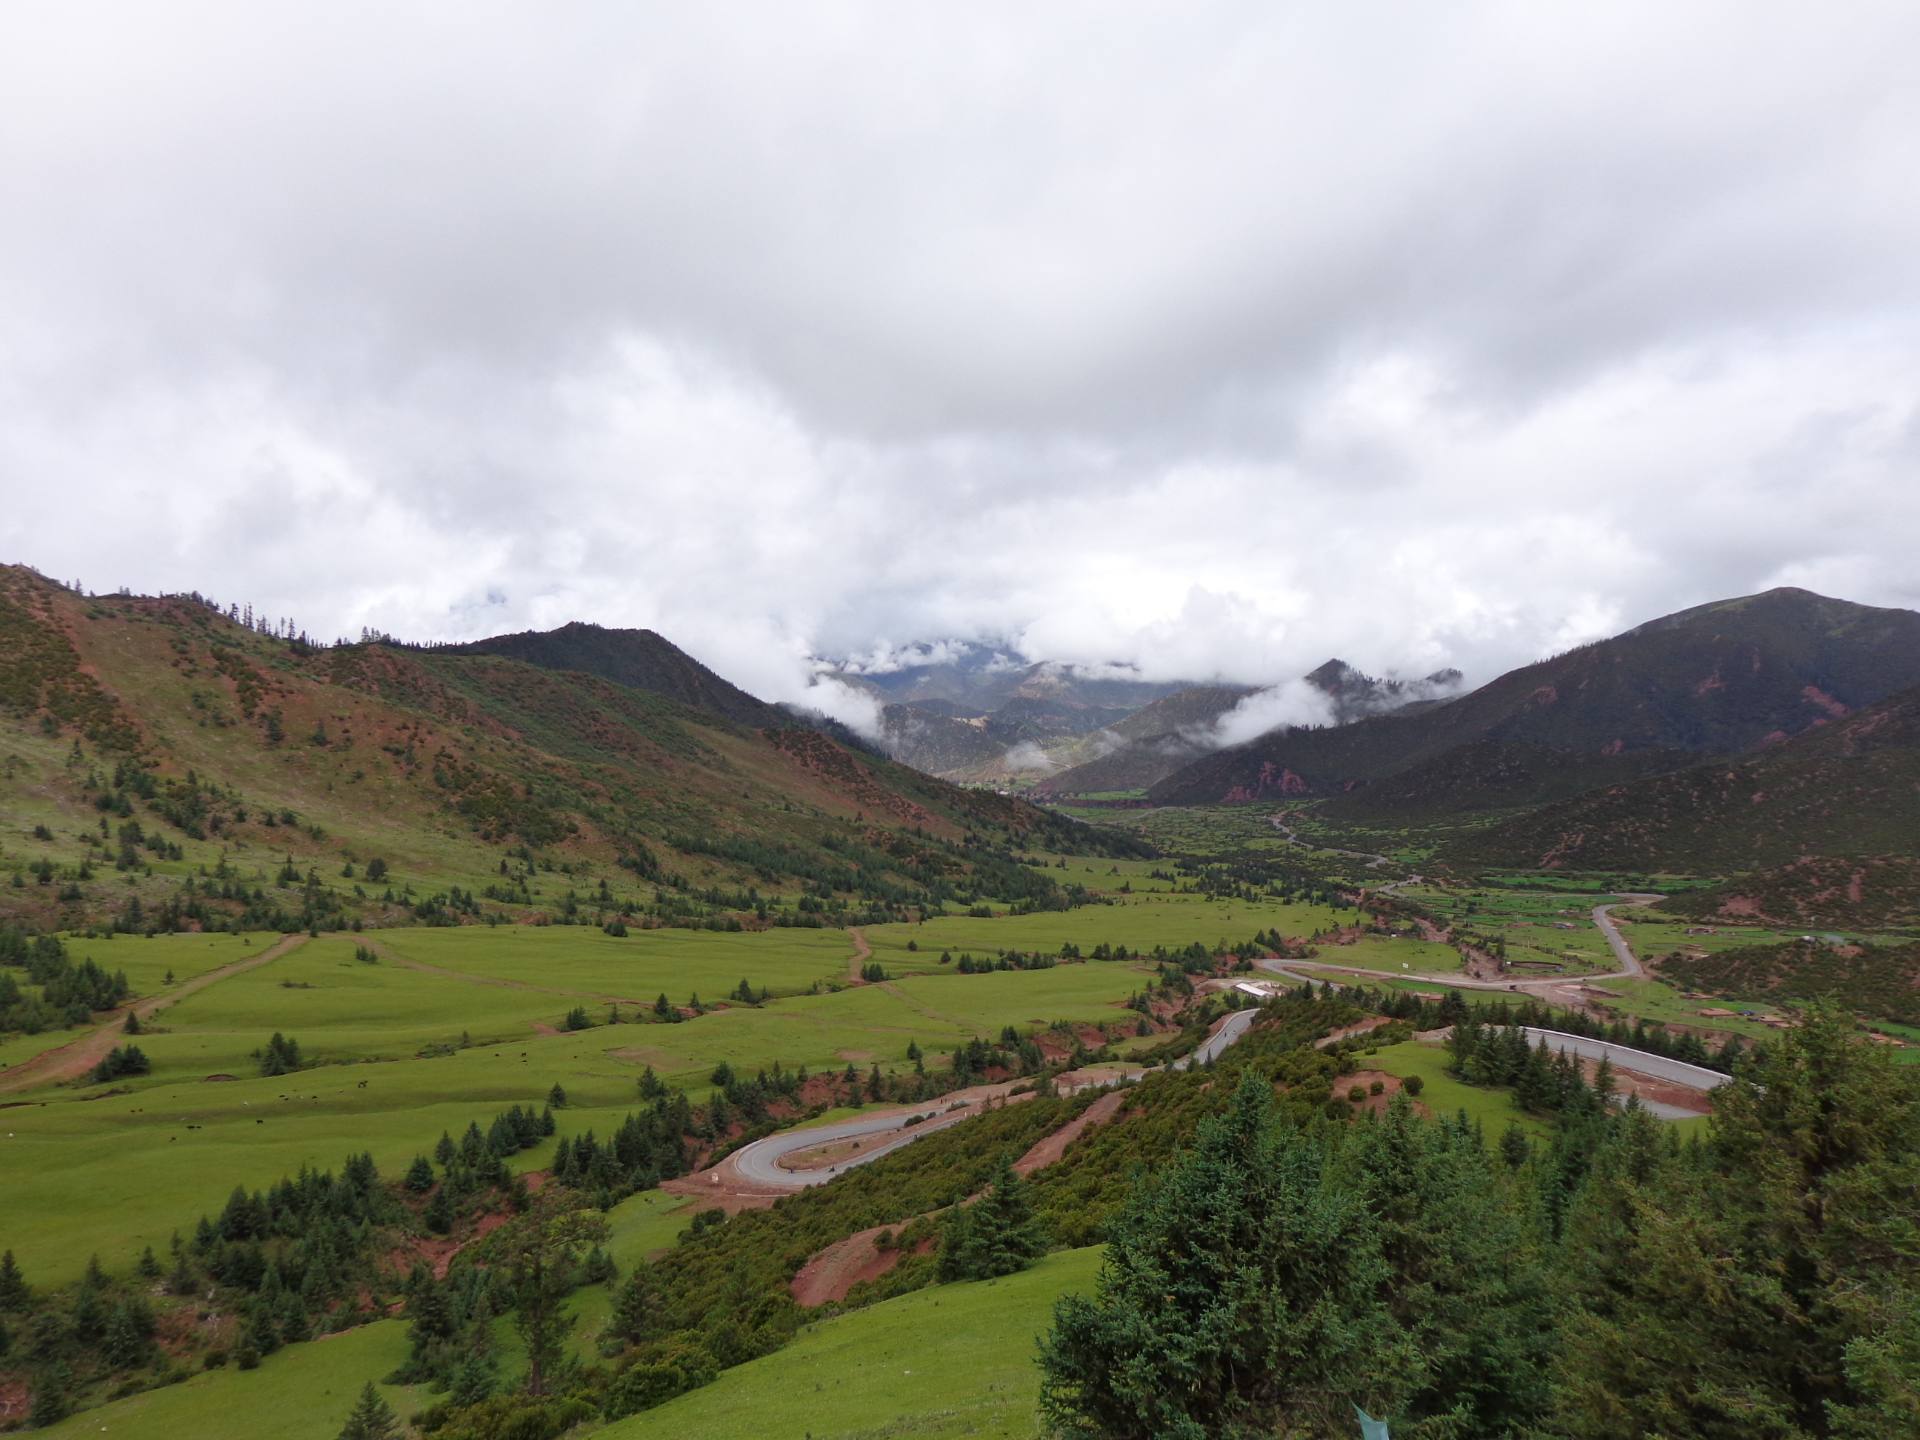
(760, 1162)
(1640, 1062)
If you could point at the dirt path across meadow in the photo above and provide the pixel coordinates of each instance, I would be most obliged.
(77, 1057)
(862, 952)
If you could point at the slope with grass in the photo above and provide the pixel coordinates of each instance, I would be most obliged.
(1865, 891)
(1881, 982)
(1849, 788)
(164, 766)
(303, 1392)
(952, 1361)
(1714, 680)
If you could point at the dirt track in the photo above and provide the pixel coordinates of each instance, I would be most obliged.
(77, 1057)
(862, 952)
(1050, 1149)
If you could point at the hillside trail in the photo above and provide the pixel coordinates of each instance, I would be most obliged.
(77, 1057)
(862, 953)
(494, 982)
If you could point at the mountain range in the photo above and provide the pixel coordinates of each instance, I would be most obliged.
(1719, 679)
(158, 752)
(1738, 737)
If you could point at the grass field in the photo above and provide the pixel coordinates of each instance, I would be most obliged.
(1393, 955)
(1529, 921)
(1136, 923)
(112, 1173)
(956, 1360)
(1444, 1095)
(300, 1393)
(579, 964)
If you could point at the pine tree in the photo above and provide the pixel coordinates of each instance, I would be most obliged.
(419, 1177)
(1603, 1082)
(52, 1396)
(14, 1294)
(996, 1235)
(635, 1308)
(1514, 1148)
(472, 1380)
(371, 1418)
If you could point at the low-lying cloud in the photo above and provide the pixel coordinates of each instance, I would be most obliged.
(1292, 703)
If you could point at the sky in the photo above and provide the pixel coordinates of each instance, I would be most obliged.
(1212, 339)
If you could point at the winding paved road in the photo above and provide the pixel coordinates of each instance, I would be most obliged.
(760, 1162)
(1630, 967)
(1625, 1057)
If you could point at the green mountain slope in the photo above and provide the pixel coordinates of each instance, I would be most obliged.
(1848, 788)
(1882, 981)
(162, 765)
(1715, 680)
(1817, 891)
(640, 659)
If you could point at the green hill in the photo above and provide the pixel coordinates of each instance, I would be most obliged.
(1854, 891)
(639, 659)
(1719, 679)
(161, 763)
(1849, 788)
(1879, 981)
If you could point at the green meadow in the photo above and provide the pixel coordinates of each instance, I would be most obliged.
(1137, 923)
(300, 1393)
(1444, 1095)
(108, 1170)
(985, 1385)
(578, 965)
(956, 1360)
(1393, 955)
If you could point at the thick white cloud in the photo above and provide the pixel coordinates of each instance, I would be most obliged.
(1216, 339)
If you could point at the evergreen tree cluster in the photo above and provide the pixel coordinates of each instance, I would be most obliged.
(649, 1146)
(69, 993)
(123, 1060)
(996, 1235)
(1763, 1283)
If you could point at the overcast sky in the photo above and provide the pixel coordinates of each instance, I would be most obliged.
(1212, 337)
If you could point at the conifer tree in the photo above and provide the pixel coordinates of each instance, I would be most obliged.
(14, 1293)
(52, 1395)
(472, 1380)
(371, 1418)
(996, 1235)
(635, 1308)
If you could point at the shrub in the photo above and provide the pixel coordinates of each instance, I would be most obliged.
(126, 1060)
(1356, 1093)
(1413, 1084)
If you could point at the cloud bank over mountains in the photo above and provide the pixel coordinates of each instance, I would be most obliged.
(1213, 340)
